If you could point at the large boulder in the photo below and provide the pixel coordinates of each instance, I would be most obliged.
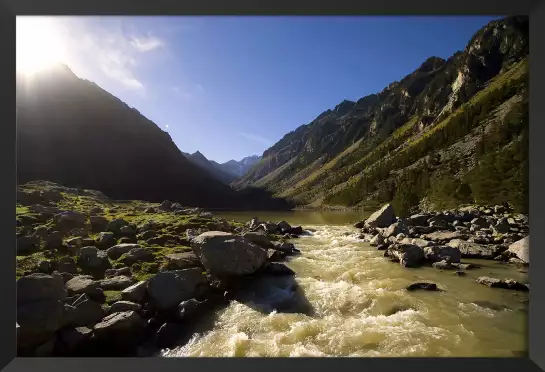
(442, 237)
(135, 293)
(27, 245)
(408, 255)
(121, 306)
(521, 249)
(474, 250)
(138, 255)
(440, 253)
(93, 261)
(40, 309)
(418, 220)
(116, 283)
(69, 220)
(120, 331)
(83, 284)
(283, 225)
(73, 338)
(396, 229)
(118, 250)
(183, 260)
(98, 223)
(83, 311)
(66, 265)
(106, 240)
(384, 217)
(259, 238)
(285, 247)
(377, 240)
(116, 225)
(167, 289)
(224, 254)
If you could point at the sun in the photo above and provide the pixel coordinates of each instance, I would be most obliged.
(38, 44)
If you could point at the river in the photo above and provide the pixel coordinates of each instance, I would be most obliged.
(360, 308)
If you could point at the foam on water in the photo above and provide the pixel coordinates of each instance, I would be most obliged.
(361, 308)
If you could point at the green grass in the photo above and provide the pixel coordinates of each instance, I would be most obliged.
(112, 296)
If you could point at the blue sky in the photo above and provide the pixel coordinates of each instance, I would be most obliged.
(231, 87)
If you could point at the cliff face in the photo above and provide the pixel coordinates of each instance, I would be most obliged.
(427, 96)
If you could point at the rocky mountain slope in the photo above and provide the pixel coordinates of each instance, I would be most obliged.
(73, 132)
(432, 126)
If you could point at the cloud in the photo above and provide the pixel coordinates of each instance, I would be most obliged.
(187, 94)
(105, 46)
(256, 138)
(146, 44)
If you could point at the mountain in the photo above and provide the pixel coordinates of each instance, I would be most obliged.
(420, 141)
(240, 168)
(210, 166)
(72, 132)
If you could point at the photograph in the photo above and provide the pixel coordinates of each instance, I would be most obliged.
(272, 186)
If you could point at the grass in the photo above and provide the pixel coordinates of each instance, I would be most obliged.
(112, 296)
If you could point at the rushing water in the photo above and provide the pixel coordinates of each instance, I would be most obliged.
(355, 304)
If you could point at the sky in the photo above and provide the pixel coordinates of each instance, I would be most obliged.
(231, 87)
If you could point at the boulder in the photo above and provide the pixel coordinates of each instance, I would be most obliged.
(122, 330)
(135, 293)
(480, 222)
(499, 283)
(27, 245)
(84, 311)
(168, 334)
(224, 254)
(268, 227)
(442, 237)
(384, 217)
(427, 286)
(83, 284)
(53, 240)
(474, 250)
(167, 289)
(285, 247)
(377, 240)
(137, 255)
(408, 255)
(275, 256)
(418, 220)
(93, 260)
(106, 240)
(40, 309)
(121, 306)
(283, 225)
(521, 249)
(118, 250)
(184, 260)
(126, 271)
(116, 225)
(191, 308)
(98, 223)
(440, 253)
(74, 338)
(254, 223)
(69, 220)
(66, 265)
(294, 231)
(116, 283)
(259, 238)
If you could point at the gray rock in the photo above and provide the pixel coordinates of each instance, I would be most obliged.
(106, 240)
(285, 247)
(395, 229)
(116, 283)
(84, 311)
(90, 258)
(45, 266)
(116, 225)
(473, 250)
(377, 240)
(74, 338)
(27, 245)
(521, 249)
(283, 225)
(121, 306)
(38, 287)
(168, 334)
(135, 293)
(480, 222)
(275, 256)
(184, 260)
(54, 240)
(67, 265)
(440, 253)
(418, 220)
(225, 254)
(384, 217)
(120, 330)
(442, 237)
(118, 250)
(258, 238)
(498, 283)
(190, 309)
(138, 255)
(427, 286)
(443, 265)
(408, 255)
(69, 220)
(167, 289)
(83, 284)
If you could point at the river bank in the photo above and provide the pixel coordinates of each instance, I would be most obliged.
(100, 278)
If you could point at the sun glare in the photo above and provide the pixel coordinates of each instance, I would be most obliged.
(38, 44)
